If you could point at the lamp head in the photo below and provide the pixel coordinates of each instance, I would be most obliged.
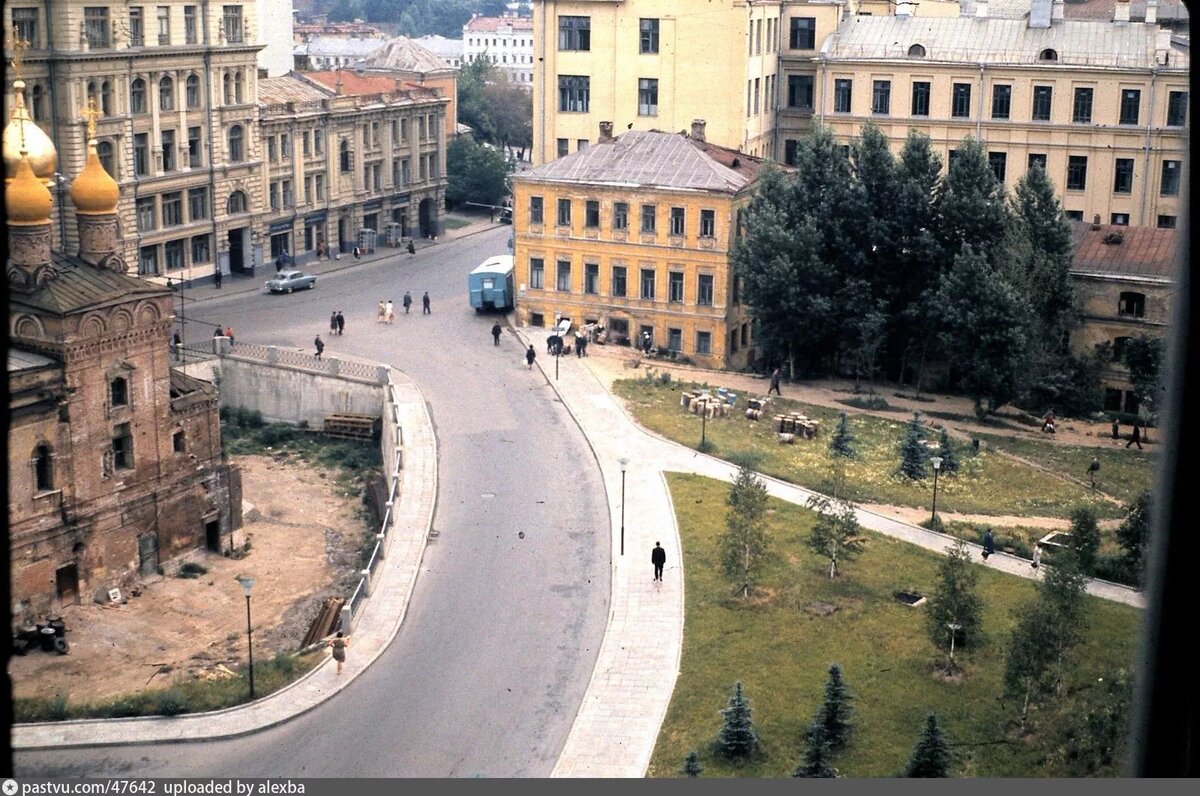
(247, 583)
(623, 462)
(936, 461)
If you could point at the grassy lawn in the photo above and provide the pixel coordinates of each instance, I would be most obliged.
(782, 652)
(987, 483)
(451, 222)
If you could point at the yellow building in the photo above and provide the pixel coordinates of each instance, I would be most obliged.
(1102, 105)
(654, 65)
(634, 234)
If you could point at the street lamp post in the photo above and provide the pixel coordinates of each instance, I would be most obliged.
(936, 461)
(557, 353)
(954, 628)
(703, 426)
(247, 584)
(624, 463)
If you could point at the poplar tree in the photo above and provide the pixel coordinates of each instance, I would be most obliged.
(972, 210)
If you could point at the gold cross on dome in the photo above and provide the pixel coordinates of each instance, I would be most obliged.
(17, 44)
(91, 114)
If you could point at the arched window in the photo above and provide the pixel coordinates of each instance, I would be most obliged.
(238, 80)
(166, 94)
(237, 203)
(137, 96)
(344, 156)
(105, 151)
(118, 392)
(916, 51)
(228, 88)
(106, 98)
(92, 93)
(43, 468)
(237, 150)
(1048, 55)
(193, 91)
(37, 103)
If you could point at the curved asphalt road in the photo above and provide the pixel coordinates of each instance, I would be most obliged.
(490, 666)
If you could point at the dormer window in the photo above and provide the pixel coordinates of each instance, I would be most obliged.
(1048, 54)
(916, 51)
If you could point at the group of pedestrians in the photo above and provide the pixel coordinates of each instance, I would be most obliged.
(337, 323)
(387, 310)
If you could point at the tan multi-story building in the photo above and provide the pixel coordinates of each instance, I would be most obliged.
(1126, 279)
(654, 65)
(1101, 105)
(176, 82)
(634, 234)
(347, 152)
(506, 42)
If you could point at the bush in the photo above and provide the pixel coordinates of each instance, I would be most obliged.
(170, 703)
(190, 569)
(1115, 569)
(875, 402)
(275, 435)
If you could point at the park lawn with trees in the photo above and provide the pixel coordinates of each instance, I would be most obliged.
(782, 652)
(986, 483)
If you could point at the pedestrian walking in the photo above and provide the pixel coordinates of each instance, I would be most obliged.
(1116, 428)
(341, 322)
(550, 343)
(229, 334)
(217, 275)
(279, 263)
(578, 345)
(333, 322)
(530, 355)
(390, 312)
(382, 312)
(775, 383)
(658, 557)
(425, 304)
(1037, 555)
(339, 644)
(989, 544)
(411, 248)
(1136, 437)
(319, 345)
(407, 301)
(174, 346)
(357, 253)
(1094, 470)
(496, 333)
(583, 342)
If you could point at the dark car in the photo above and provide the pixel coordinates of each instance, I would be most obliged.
(506, 215)
(287, 281)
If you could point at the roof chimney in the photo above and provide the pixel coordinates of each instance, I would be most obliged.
(981, 9)
(1151, 12)
(1039, 14)
(1162, 46)
(1121, 11)
(904, 8)
(1056, 11)
(1096, 221)
(605, 133)
(698, 129)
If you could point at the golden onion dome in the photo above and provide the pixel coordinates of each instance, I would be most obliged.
(22, 137)
(94, 192)
(26, 199)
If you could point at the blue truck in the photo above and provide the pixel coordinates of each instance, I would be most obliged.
(491, 284)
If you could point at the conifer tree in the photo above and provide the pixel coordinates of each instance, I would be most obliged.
(972, 207)
(836, 534)
(913, 455)
(842, 441)
(745, 541)
(946, 451)
(955, 601)
(817, 754)
(931, 755)
(1085, 538)
(691, 765)
(1042, 257)
(835, 712)
(737, 740)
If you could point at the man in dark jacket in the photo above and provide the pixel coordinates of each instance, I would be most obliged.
(658, 557)
(989, 544)
(319, 345)
(496, 333)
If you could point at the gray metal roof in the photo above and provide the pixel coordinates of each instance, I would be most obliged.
(77, 286)
(338, 47)
(405, 54)
(652, 159)
(27, 360)
(289, 88)
(441, 46)
(1000, 41)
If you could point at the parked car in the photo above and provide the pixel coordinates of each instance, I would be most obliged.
(287, 281)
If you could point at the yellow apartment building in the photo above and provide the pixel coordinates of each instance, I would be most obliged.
(634, 234)
(1101, 104)
(654, 65)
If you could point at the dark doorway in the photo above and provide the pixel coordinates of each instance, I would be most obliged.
(427, 218)
(148, 554)
(345, 245)
(212, 535)
(281, 243)
(66, 584)
(237, 253)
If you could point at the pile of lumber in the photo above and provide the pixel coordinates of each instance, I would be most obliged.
(324, 622)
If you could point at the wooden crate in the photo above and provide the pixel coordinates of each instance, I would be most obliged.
(349, 426)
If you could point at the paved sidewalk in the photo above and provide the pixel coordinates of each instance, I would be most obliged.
(617, 726)
(377, 626)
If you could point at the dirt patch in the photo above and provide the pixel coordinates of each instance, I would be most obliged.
(304, 540)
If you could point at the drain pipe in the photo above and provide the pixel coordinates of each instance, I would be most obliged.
(1146, 153)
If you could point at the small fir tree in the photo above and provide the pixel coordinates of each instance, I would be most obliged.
(737, 740)
(817, 754)
(745, 542)
(835, 712)
(931, 755)
(946, 451)
(842, 442)
(914, 457)
(955, 613)
(691, 765)
(836, 534)
(1085, 538)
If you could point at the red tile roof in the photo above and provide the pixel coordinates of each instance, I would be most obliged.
(1126, 251)
(355, 84)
